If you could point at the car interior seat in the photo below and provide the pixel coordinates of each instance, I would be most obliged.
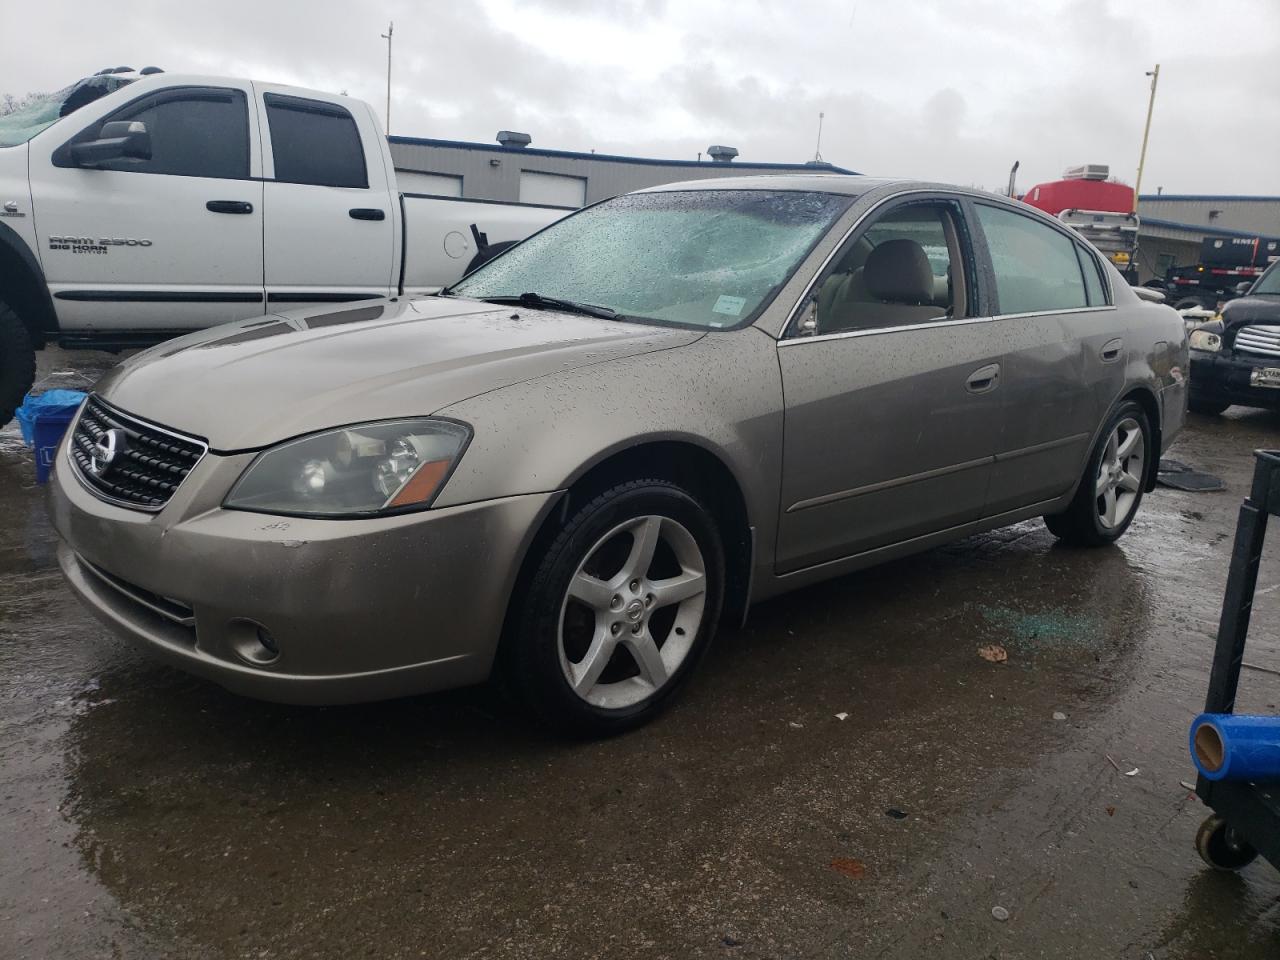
(895, 286)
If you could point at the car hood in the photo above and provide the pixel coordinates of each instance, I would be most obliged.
(1245, 310)
(252, 383)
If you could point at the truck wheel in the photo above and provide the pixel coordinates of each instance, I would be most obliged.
(1188, 303)
(17, 362)
(488, 253)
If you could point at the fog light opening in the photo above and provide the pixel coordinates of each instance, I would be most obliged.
(253, 643)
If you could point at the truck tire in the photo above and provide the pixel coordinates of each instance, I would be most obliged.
(1190, 303)
(17, 362)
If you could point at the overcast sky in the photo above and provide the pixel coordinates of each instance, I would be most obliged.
(953, 90)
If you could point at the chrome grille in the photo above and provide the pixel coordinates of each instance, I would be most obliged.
(1263, 340)
(149, 462)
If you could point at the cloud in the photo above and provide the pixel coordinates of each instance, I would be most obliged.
(952, 90)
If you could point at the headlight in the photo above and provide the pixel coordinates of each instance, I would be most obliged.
(371, 468)
(1205, 340)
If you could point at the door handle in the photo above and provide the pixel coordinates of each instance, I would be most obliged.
(228, 206)
(1111, 350)
(984, 379)
(367, 213)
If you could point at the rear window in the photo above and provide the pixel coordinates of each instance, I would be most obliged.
(315, 142)
(1036, 267)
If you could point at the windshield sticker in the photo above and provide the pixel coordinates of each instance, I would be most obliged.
(730, 305)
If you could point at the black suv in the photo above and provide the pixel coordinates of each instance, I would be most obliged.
(1235, 358)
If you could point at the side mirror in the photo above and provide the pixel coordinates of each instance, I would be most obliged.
(117, 140)
(1243, 288)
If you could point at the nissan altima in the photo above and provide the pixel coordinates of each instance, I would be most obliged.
(565, 471)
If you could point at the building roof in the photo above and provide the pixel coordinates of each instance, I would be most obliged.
(1204, 196)
(614, 158)
(1201, 230)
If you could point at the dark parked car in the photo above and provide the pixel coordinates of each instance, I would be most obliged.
(1235, 359)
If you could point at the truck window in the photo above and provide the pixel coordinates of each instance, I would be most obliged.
(195, 132)
(315, 142)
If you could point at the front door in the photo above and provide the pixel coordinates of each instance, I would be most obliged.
(892, 381)
(167, 243)
(330, 221)
(1064, 355)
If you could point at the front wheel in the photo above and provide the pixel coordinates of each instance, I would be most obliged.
(17, 362)
(617, 611)
(1112, 485)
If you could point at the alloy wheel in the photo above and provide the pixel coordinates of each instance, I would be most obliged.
(1120, 472)
(632, 611)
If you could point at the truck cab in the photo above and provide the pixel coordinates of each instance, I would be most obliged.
(135, 206)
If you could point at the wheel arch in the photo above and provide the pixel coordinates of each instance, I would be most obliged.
(23, 287)
(691, 465)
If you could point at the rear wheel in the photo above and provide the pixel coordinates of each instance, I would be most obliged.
(618, 610)
(17, 362)
(1112, 485)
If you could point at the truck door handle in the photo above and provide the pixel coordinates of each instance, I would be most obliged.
(367, 213)
(228, 206)
(1111, 350)
(984, 379)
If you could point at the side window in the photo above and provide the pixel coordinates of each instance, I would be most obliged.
(1092, 278)
(1036, 267)
(906, 268)
(315, 142)
(195, 132)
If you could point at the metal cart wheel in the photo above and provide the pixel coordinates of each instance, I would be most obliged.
(1221, 847)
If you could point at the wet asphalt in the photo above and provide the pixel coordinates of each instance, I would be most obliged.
(144, 813)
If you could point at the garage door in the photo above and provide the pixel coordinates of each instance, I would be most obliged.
(436, 184)
(552, 189)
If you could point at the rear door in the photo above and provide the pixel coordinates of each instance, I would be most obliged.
(893, 391)
(1064, 354)
(168, 243)
(329, 230)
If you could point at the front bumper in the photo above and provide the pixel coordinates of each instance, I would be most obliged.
(1224, 378)
(360, 609)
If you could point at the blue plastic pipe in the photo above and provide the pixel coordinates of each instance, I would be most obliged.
(1229, 746)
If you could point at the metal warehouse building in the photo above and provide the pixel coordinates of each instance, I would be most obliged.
(513, 172)
(1173, 226)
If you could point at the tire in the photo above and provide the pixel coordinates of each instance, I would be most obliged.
(17, 362)
(1207, 408)
(1221, 847)
(1189, 303)
(488, 253)
(1094, 519)
(567, 656)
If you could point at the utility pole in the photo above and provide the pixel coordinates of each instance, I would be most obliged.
(1142, 157)
(817, 151)
(387, 37)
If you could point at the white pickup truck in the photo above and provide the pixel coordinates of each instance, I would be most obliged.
(135, 206)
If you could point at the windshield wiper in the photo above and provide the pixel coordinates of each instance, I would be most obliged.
(536, 301)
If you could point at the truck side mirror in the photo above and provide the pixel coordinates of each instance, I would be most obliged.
(117, 140)
(1243, 288)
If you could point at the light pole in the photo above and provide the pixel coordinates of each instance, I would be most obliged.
(387, 37)
(1146, 132)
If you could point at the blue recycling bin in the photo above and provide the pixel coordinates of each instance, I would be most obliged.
(43, 419)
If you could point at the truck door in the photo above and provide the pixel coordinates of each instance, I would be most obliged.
(158, 245)
(329, 231)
